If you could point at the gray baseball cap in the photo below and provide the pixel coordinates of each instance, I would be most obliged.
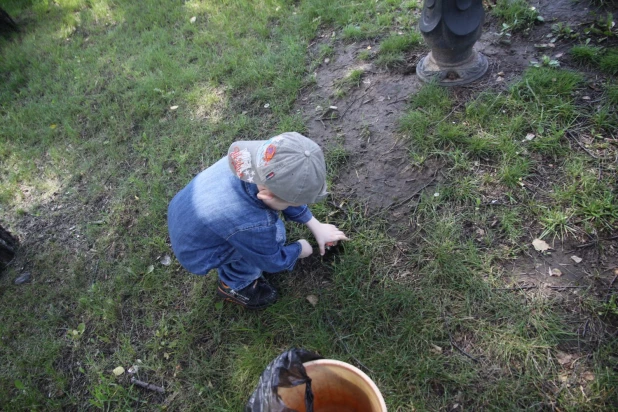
(290, 165)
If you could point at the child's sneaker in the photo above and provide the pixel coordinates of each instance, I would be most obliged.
(257, 295)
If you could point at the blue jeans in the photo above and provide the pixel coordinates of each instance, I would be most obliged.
(237, 273)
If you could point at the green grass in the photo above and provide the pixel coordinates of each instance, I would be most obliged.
(604, 59)
(392, 49)
(92, 152)
(516, 14)
(586, 54)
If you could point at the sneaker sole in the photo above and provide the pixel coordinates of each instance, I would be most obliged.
(229, 298)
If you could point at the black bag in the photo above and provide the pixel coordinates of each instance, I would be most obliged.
(285, 371)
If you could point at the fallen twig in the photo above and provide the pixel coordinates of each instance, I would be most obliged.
(580, 144)
(354, 101)
(450, 337)
(395, 205)
(517, 288)
(565, 287)
(585, 328)
(594, 242)
(147, 385)
(609, 288)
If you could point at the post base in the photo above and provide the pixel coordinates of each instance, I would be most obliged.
(452, 75)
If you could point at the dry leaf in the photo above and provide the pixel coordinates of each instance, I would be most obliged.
(166, 355)
(118, 371)
(576, 259)
(173, 107)
(436, 349)
(166, 260)
(313, 299)
(564, 358)
(585, 97)
(530, 136)
(540, 245)
(192, 19)
(589, 376)
(555, 272)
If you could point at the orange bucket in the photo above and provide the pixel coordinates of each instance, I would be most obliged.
(337, 387)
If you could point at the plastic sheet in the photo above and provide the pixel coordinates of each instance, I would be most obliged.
(285, 371)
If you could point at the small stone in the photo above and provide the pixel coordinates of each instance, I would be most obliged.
(23, 278)
(555, 272)
(313, 299)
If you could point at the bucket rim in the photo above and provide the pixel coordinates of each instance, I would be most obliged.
(353, 369)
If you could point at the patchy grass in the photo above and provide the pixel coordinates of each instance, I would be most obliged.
(518, 15)
(392, 49)
(604, 59)
(109, 108)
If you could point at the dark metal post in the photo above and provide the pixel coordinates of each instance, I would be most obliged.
(451, 27)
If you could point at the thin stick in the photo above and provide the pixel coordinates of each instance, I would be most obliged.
(580, 144)
(594, 242)
(565, 287)
(406, 200)
(517, 288)
(585, 328)
(609, 288)
(147, 385)
(354, 101)
(450, 337)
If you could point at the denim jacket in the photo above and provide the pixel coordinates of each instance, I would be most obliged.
(218, 215)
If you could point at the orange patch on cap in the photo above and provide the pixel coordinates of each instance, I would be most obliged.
(269, 153)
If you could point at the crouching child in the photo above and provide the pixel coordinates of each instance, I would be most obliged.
(227, 217)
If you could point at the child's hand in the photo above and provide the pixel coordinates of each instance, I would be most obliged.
(325, 234)
(307, 250)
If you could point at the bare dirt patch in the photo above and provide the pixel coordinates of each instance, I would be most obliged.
(364, 121)
(378, 170)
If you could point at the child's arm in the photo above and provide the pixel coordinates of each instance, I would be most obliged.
(325, 233)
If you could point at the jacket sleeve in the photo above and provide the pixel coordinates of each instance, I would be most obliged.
(259, 247)
(298, 214)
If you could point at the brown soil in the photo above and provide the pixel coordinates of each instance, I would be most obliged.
(379, 171)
